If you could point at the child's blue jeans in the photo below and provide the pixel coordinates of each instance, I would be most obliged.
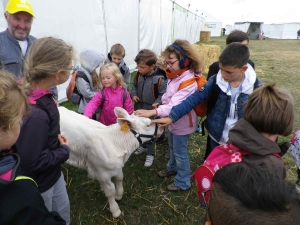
(179, 160)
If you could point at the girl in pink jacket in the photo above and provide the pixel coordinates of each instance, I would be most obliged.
(182, 63)
(111, 95)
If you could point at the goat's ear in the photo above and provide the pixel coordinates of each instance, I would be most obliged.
(121, 113)
(124, 119)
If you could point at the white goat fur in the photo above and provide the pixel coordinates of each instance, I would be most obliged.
(103, 150)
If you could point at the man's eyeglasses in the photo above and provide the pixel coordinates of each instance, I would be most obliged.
(170, 63)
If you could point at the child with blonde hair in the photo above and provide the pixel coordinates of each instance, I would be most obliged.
(182, 63)
(41, 148)
(21, 201)
(112, 93)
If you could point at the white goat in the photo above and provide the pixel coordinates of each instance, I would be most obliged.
(103, 150)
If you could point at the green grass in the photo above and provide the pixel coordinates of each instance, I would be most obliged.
(145, 199)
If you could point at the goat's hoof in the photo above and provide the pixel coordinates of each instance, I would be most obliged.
(117, 214)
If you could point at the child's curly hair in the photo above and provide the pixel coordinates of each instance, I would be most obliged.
(190, 52)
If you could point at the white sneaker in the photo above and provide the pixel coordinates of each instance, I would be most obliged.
(298, 187)
(149, 160)
(140, 150)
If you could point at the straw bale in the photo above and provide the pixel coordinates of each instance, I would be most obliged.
(209, 54)
(204, 36)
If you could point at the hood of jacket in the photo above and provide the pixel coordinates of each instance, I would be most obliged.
(247, 84)
(11, 162)
(122, 63)
(244, 136)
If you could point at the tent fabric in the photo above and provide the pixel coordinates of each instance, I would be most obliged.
(212, 24)
(253, 29)
(228, 29)
(100, 24)
(281, 31)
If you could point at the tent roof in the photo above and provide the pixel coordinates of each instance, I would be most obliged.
(210, 17)
(247, 22)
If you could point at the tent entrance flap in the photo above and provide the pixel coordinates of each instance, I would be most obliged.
(254, 30)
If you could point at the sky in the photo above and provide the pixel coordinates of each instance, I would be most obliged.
(230, 11)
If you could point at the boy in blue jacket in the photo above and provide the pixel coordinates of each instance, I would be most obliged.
(233, 83)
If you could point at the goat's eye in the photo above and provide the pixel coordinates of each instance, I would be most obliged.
(148, 125)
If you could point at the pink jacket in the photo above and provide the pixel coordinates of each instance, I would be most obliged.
(174, 97)
(113, 98)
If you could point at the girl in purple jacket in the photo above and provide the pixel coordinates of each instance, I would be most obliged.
(110, 96)
(182, 63)
(40, 146)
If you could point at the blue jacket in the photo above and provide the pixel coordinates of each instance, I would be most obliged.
(12, 59)
(10, 53)
(216, 118)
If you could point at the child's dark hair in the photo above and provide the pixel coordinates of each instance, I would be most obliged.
(117, 49)
(146, 56)
(251, 195)
(270, 109)
(189, 51)
(235, 54)
(236, 36)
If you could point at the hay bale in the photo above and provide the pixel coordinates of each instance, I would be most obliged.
(204, 36)
(209, 54)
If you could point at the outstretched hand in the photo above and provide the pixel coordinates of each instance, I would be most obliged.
(145, 113)
(162, 122)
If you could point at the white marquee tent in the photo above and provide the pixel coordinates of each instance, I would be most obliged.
(281, 31)
(253, 29)
(228, 29)
(100, 24)
(212, 24)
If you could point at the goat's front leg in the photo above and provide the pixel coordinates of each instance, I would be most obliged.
(109, 190)
(119, 185)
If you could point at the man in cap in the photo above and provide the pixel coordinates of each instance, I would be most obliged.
(15, 40)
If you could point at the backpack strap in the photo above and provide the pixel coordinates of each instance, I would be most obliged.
(137, 78)
(103, 97)
(156, 88)
(183, 85)
(187, 83)
(25, 178)
(243, 152)
(124, 96)
(40, 104)
(82, 75)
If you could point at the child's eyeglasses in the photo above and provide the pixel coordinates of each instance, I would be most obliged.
(170, 63)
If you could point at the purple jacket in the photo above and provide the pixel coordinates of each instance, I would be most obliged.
(113, 98)
(174, 97)
(38, 147)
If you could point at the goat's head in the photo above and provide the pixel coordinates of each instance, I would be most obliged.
(141, 127)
